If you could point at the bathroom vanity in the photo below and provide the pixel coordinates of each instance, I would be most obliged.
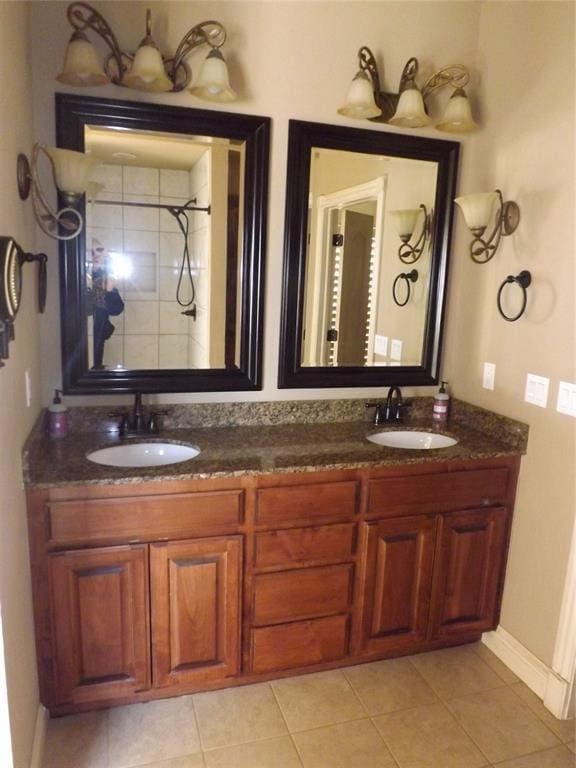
(321, 550)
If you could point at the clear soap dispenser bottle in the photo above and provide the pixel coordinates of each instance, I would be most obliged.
(441, 405)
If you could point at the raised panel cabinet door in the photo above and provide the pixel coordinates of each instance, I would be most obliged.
(468, 573)
(195, 597)
(398, 560)
(100, 613)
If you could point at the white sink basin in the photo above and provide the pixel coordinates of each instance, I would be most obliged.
(414, 440)
(143, 454)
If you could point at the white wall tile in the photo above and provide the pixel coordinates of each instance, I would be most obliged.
(110, 176)
(136, 217)
(141, 181)
(113, 351)
(106, 216)
(141, 317)
(173, 351)
(169, 283)
(141, 351)
(137, 240)
(171, 318)
(174, 183)
(171, 249)
(111, 239)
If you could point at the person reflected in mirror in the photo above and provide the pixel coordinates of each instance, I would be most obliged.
(103, 300)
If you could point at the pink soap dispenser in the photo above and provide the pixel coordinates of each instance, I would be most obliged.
(441, 407)
(57, 417)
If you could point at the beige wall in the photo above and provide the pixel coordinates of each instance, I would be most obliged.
(526, 57)
(15, 418)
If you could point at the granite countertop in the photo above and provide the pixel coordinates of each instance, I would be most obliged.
(284, 446)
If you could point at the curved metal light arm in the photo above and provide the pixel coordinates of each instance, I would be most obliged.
(411, 252)
(456, 76)
(210, 33)
(65, 224)
(386, 101)
(82, 16)
(483, 249)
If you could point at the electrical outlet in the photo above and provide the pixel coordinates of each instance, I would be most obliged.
(536, 390)
(396, 349)
(489, 375)
(28, 387)
(566, 402)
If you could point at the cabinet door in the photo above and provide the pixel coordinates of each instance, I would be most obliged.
(195, 592)
(100, 620)
(468, 572)
(398, 560)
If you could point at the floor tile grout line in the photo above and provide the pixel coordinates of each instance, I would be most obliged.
(277, 700)
(197, 721)
(512, 686)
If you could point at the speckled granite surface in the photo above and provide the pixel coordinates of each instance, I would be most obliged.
(261, 438)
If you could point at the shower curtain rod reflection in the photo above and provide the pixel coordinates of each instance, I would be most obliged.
(176, 208)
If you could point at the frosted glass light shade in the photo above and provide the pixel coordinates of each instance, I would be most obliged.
(147, 72)
(81, 64)
(72, 170)
(457, 117)
(213, 83)
(360, 101)
(405, 221)
(477, 209)
(410, 112)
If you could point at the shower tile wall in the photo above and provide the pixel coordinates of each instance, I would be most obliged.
(152, 332)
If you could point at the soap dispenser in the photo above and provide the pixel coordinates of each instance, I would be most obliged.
(57, 417)
(441, 405)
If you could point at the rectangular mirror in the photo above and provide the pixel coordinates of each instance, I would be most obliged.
(368, 219)
(162, 291)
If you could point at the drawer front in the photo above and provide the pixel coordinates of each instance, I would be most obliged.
(292, 595)
(420, 494)
(315, 501)
(288, 646)
(304, 546)
(144, 518)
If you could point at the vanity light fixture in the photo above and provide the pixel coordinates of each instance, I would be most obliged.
(71, 172)
(405, 222)
(406, 109)
(147, 69)
(478, 212)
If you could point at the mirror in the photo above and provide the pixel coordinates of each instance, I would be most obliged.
(162, 291)
(368, 221)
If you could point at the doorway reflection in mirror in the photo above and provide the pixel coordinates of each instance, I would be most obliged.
(352, 259)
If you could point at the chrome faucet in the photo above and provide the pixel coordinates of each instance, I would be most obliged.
(393, 410)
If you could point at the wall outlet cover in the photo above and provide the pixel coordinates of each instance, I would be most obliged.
(396, 349)
(566, 402)
(380, 345)
(536, 390)
(488, 375)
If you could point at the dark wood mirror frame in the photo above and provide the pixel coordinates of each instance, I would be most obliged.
(75, 112)
(303, 137)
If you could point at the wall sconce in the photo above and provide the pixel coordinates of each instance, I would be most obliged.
(406, 108)
(147, 69)
(478, 210)
(71, 172)
(405, 223)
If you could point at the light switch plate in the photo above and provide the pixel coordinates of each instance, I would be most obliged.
(489, 376)
(566, 402)
(396, 349)
(536, 390)
(380, 345)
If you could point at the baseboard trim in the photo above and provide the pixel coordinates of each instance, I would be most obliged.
(533, 672)
(39, 737)
(548, 685)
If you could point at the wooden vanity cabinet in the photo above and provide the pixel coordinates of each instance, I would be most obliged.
(156, 589)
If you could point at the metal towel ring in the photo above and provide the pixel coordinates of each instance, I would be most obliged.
(523, 279)
(409, 277)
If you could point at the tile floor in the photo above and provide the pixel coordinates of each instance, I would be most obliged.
(455, 708)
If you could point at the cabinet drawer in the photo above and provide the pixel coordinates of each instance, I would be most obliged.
(395, 496)
(307, 502)
(144, 517)
(304, 546)
(292, 595)
(288, 646)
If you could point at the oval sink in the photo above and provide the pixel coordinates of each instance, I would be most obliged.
(143, 454)
(413, 440)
